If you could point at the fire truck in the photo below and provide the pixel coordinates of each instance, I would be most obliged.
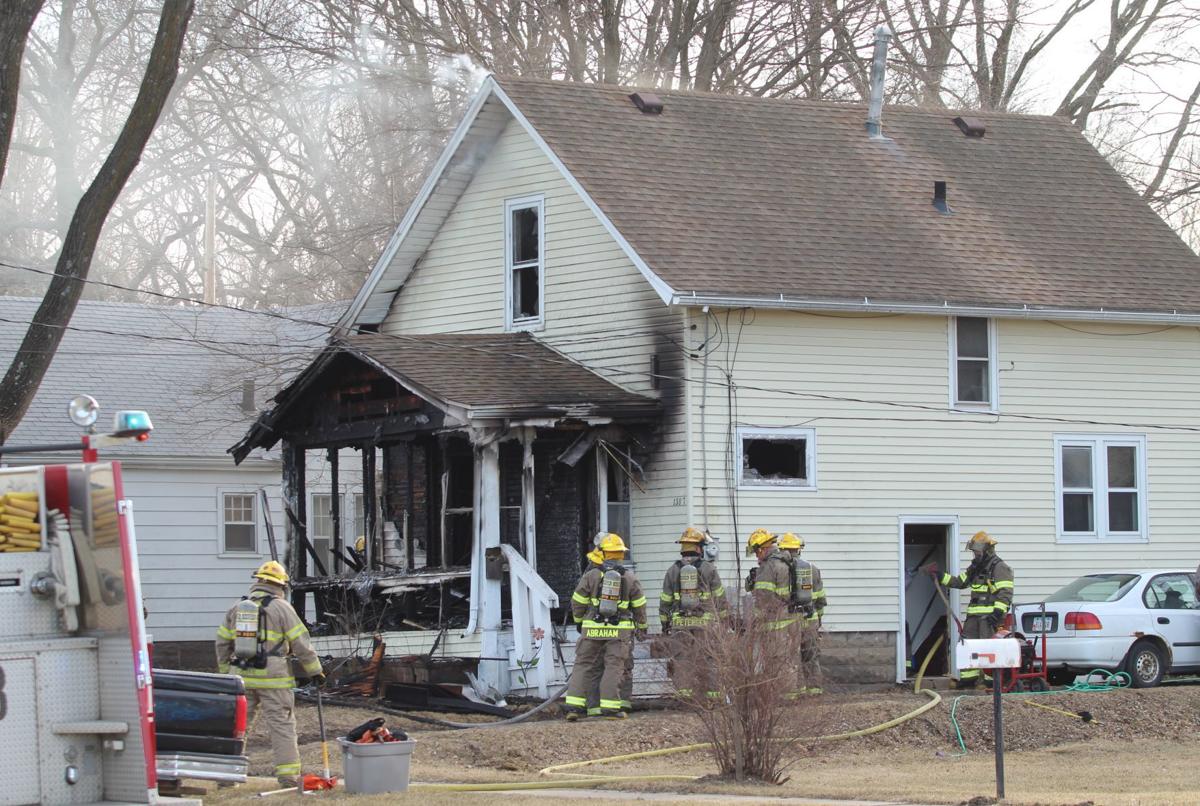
(77, 706)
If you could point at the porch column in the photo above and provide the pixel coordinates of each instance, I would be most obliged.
(295, 558)
(335, 511)
(493, 665)
(528, 499)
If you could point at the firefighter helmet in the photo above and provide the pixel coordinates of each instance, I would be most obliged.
(790, 541)
(272, 572)
(692, 535)
(758, 539)
(610, 543)
(596, 557)
(980, 538)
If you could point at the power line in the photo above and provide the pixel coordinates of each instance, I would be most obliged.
(506, 352)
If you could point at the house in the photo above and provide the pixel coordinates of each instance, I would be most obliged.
(202, 375)
(616, 309)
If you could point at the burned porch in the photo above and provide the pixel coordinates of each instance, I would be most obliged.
(488, 463)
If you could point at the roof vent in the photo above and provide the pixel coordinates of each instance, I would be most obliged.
(648, 102)
(939, 198)
(248, 405)
(971, 127)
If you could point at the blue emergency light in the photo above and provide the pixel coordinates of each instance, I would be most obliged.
(134, 424)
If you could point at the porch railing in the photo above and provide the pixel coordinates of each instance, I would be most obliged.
(533, 633)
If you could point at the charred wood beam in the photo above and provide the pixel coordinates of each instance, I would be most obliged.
(294, 499)
(370, 507)
(309, 550)
(335, 509)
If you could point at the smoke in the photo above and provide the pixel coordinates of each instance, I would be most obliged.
(460, 70)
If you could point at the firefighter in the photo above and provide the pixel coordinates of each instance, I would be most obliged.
(772, 581)
(809, 601)
(610, 608)
(692, 598)
(991, 583)
(595, 559)
(257, 639)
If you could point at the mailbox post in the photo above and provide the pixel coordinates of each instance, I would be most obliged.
(994, 654)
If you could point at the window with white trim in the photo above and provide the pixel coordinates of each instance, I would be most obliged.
(320, 528)
(973, 362)
(524, 262)
(777, 458)
(1101, 487)
(239, 523)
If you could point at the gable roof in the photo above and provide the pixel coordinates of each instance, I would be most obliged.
(472, 377)
(766, 202)
(503, 372)
(185, 366)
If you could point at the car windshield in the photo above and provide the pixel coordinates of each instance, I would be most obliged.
(1095, 588)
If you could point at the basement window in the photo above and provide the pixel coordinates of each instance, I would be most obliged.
(524, 263)
(777, 458)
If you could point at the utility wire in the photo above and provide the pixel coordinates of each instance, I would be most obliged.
(505, 351)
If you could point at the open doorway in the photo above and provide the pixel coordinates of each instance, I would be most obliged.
(923, 613)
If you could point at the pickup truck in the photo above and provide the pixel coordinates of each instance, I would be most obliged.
(200, 727)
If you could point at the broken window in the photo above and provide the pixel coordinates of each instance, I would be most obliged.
(777, 457)
(523, 282)
(458, 507)
(512, 458)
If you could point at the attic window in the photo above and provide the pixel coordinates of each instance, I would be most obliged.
(777, 458)
(971, 127)
(524, 269)
(648, 102)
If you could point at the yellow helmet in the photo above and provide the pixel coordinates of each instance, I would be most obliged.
(981, 537)
(787, 540)
(596, 557)
(610, 543)
(692, 535)
(758, 538)
(272, 572)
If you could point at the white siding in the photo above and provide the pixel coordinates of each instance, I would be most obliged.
(187, 583)
(876, 462)
(598, 310)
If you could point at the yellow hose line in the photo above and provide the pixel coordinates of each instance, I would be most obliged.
(592, 780)
(925, 663)
(935, 699)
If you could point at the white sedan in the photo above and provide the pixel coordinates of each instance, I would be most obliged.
(1146, 623)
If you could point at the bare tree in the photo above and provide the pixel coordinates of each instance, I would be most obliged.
(16, 18)
(33, 357)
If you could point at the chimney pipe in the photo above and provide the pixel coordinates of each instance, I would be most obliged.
(883, 35)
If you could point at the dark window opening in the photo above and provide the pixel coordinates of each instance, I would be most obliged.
(525, 235)
(617, 505)
(526, 303)
(775, 460)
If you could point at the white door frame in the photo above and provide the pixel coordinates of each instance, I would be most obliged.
(948, 563)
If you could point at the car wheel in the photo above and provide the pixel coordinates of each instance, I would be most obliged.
(1145, 665)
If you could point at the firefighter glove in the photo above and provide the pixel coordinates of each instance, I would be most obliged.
(931, 569)
(319, 679)
(666, 627)
(753, 575)
(995, 621)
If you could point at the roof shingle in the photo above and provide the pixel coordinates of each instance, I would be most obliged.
(752, 197)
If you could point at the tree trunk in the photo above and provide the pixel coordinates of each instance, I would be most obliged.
(45, 332)
(16, 18)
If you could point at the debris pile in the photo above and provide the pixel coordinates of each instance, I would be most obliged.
(373, 732)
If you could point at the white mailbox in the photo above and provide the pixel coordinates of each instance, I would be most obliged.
(988, 653)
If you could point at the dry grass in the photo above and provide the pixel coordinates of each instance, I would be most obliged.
(1139, 751)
